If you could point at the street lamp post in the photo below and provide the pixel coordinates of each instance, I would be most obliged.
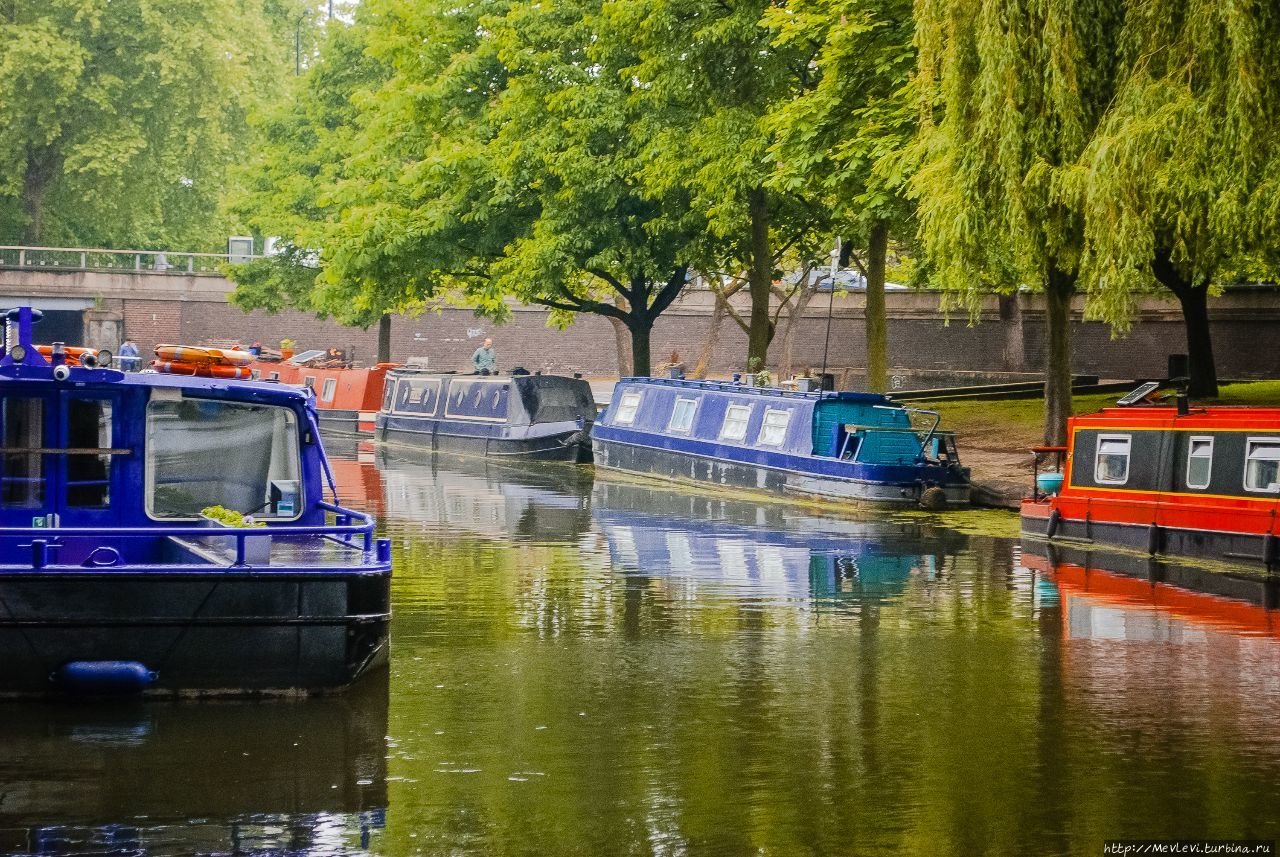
(831, 300)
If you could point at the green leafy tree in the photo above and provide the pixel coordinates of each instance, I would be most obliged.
(709, 74)
(119, 118)
(1011, 94)
(499, 161)
(305, 148)
(841, 140)
(1181, 176)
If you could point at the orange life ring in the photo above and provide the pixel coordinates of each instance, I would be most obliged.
(179, 367)
(203, 356)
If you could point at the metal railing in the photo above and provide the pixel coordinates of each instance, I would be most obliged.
(117, 261)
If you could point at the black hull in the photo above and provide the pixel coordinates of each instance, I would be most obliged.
(562, 446)
(1172, 543)
(218, 634)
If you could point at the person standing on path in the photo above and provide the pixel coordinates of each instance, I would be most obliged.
(484, 359)
(128, 356)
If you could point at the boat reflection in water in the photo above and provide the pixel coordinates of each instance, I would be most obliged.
(1115, 596)
(1171, 649)
(355, 471)
(529, 500)
(778, 551)
(282, 777)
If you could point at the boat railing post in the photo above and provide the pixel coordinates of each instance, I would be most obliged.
(240, 537)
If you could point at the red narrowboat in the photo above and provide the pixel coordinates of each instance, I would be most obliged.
(1197, 482)
(346, 399)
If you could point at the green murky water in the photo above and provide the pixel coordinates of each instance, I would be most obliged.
(613, 668)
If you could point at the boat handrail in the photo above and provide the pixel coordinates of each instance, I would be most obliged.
(364, 529)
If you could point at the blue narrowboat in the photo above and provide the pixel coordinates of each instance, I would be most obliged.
(842, 446)
(545, 417)
(112, 576)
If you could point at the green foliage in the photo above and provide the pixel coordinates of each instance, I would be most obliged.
(1010, 94)
(118, 118)
(844, 136)
(1184, 165)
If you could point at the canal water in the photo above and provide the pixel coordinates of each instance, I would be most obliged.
(604, 667)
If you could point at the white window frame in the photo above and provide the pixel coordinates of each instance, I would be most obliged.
(628, 406)
(1097, 458)
(309, 381)
(1191, 444)
(687, 425)
(329, 390)
(1248, 456)
(765, 426)
(746, 418)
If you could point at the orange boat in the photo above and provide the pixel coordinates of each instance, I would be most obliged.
(347, 400)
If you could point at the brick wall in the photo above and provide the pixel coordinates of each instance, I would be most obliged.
(1006, 338)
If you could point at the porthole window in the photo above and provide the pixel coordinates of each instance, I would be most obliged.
(1111, 466)
(1262, 465)
(1199, 462)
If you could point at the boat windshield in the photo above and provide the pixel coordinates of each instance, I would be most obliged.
(240, 456)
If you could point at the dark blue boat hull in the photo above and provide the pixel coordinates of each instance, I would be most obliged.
(678, 461)
(543, 442)
(206, 633)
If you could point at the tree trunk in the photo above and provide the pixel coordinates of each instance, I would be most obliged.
(622, 341)
(877, 337)
(1194, 298)
(759, 281)
(384, 338)
(709, 344)
(41, 168)
(802, 299)
(640, 364)
(1059, 289)
(1195, 315)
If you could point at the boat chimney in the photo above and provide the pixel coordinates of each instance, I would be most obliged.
(1180, 378)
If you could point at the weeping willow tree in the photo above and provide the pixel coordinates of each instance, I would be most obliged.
(1181, 176)
(1011, 93)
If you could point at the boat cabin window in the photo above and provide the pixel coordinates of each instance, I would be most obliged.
(241, 456)
(682, 415)
(1111, 466)
(309, 382)
(1199, 462)
(22, 465)
(773, 430)
(88, 470)
(389, 394)
(330, 387)
(273, 376)
(735, 422)
(1262, 465)
(627, 407)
